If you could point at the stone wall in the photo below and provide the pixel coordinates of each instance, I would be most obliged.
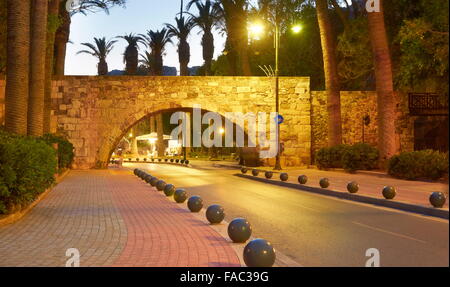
(354, 106)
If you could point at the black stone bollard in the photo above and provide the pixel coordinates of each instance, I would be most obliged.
(195, 203)
(438, 199)
(302, 179)
(177, 160)
(353, 187)
(149, 179)
(182, 161)
(259, 253)
(153, 160)
(239, 230)
(135, 171)
(186, 162)
(137, 159)
(154, 181)
(169, 190)
(284, 176)
(215, 214)
(389, 192)
(160, 159)
(180, 196)
(324, 183)
(160, 185)
(244, 170)
(255, 172)
(268, 174)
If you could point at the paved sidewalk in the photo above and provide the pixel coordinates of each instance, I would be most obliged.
(113, 219)
(370, 183)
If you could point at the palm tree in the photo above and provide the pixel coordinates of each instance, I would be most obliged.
(331, 74)
(181, 31)
(207, 18)
(130, 56)
(17, 71)
(147, 61)
(157, 41)
(100, 50)
(37, 68)
(53, 11)
(384, 83)
(234, 15)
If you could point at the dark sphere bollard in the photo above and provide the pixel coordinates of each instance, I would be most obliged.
(389, 192)
(180, 195)
(169, 190)
(182, 161)
(284, 176)
(324, 183)
(438, 199)
(177, 160)
(244, 170)
(255, 172)
(239, 230)
(135, 171)
(259, 253)
(302, 179)
(195, 203)
(149, 179)
(160, 185)
(160, 159)
(153, 160)
(145, 159)
(215, 214)
(186, 162)
(129, 159)
(353, 187)
(268, 174)
(137, 159)
(154, 181)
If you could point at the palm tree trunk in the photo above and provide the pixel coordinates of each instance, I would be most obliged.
(53, 12)
(37, 69)
(160, 132)
(132, 61)
(208, 51)
(184, 57)
(62, 38)
(385, 86)
(17, 72)
(331, 74)
(102, 67)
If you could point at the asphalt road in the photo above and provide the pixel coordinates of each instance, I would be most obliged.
(316, 230)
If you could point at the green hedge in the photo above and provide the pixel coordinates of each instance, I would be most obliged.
(427, 164)
(350, 157)
(27, 168)
(65, 150)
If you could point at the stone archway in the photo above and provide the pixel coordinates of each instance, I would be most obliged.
(95, 111)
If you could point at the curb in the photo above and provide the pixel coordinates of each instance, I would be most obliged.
(441, 213)
(12, 218)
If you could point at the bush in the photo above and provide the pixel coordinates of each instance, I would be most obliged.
(27, 168)
(360, 156)
(65, 150)
(331, 157)
(427, 164)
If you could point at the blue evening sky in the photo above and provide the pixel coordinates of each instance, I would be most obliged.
(138, 17)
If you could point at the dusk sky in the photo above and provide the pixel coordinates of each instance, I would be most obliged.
(138, 17)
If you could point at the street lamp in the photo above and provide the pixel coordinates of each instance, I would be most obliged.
(256, 30)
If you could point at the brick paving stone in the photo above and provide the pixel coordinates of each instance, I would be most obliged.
(113, 219)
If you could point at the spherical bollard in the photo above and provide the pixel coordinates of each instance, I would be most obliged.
(145, 159)
(255, 172)
(259, 253)
(180, 196)
(160, 159)
(169, 190)
(268, 174)
(160, 185)
(244, 170)
(302, 179)
(153, 160)
(195, 203)
(389, 192)
(353, 187)
(149, 179)
(186, 162)
(129, 159)
(154, 181)
(284, 176)
(215, 214)
(324, 183)
(137, 159)
(239, 230)
(177, 160)
(182, 161)
(438, 199)
(135, 171)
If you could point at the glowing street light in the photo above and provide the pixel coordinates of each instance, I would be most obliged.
(222, 131)
(297, 29)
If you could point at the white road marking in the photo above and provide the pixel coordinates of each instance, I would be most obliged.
(388, 232)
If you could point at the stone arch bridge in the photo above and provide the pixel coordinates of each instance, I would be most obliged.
(96, 112)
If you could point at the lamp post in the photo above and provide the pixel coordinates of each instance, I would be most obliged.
(258, 29)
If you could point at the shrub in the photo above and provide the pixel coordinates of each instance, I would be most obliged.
(331, 157)
(426, 164)
(360, 156)
(27, 168)
(65, 150)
